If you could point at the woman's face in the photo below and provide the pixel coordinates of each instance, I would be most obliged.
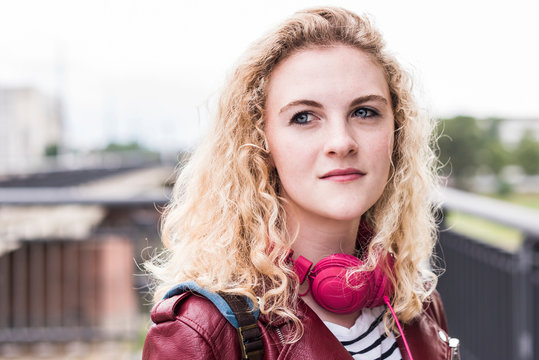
(329, 126)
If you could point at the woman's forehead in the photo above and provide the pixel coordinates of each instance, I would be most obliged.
(310, 73)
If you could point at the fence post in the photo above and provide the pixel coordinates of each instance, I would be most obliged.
(523, 301)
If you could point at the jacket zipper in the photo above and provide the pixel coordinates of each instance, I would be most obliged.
(280, 335)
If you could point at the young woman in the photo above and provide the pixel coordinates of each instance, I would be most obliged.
(310, 198)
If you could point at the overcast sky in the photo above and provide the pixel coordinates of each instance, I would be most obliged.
(150, 69)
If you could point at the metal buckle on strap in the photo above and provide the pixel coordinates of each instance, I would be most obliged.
(244, 340)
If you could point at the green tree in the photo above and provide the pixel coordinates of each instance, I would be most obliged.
(493, 155)
(51, 150)
(131, 146)
(460, 138)
(527, 153)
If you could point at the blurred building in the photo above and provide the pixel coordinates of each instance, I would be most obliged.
(30, 124)
(70, 242)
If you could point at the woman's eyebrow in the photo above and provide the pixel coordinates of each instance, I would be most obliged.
(301, 102)
(363, 99)
(358, 101)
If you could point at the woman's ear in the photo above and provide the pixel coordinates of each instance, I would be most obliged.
(267, 151)
(270, 161)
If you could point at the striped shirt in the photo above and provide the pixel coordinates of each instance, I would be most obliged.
(366, 339)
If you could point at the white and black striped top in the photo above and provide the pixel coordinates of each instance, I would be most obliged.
(366, 339)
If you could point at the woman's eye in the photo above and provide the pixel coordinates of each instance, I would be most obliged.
(301, 118)
(364, 113)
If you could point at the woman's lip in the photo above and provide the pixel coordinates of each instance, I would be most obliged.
(343, 174)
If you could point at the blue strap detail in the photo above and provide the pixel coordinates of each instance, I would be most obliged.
(215, 298)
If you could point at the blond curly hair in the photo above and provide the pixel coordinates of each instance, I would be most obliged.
(224, 226)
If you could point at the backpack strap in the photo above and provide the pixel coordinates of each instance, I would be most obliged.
(249, 333)
(238, 310)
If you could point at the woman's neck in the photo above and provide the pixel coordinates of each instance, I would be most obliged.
(315, 240)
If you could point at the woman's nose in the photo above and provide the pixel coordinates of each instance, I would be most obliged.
(340, 140)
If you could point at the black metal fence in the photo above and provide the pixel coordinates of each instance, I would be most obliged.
(491, 296)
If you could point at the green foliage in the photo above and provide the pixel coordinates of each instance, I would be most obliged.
(527, 153)
(51, 150)
(121, 147)
(466, 146)
(469, 147)
(503, 188)
(458, 143)
(493, 154)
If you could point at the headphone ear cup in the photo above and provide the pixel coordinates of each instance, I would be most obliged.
(330, 289)
(379, 285)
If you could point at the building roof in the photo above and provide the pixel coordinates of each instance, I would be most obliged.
(42, 207)
(60, 178)
(107, 187)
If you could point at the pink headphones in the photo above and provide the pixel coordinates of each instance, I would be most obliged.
(329, 288)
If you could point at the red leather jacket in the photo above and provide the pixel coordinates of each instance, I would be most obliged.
(188, 326)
